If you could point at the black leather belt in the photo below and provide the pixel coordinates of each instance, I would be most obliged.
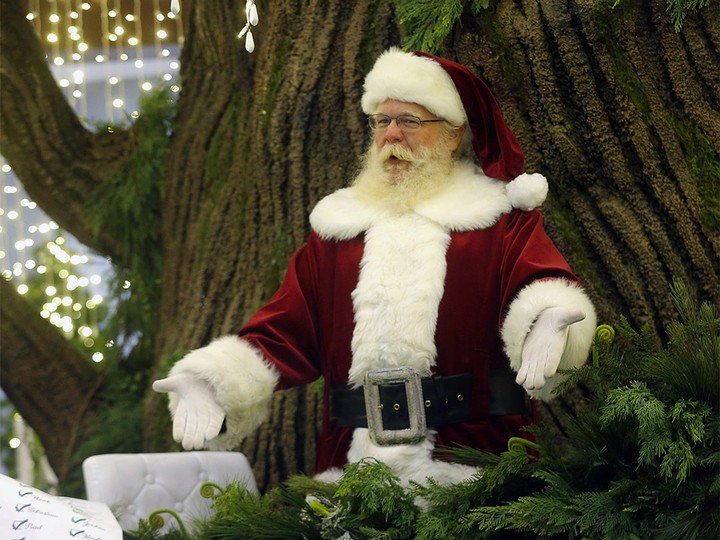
(448, 400)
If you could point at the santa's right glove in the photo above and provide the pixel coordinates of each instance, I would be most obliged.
(198, 417)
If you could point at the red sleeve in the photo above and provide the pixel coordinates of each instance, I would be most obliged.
(528, 254)
(284, 330)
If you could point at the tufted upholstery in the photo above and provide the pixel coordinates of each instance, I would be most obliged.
(134, 485)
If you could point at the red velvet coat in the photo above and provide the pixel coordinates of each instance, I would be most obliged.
(306, 329)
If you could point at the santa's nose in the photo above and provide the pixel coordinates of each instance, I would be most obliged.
(393, 133)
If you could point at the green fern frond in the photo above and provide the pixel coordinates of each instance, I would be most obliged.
(544, 513)
(301, 485)
(426, 23)
(592, 509)
(690, 418)
(370, 494)
(277, 514)
(678, 10)
(636, 402)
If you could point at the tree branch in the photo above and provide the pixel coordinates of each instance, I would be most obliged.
(58, 161)
(47, 379)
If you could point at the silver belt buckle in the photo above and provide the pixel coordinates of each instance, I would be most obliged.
(373, 407)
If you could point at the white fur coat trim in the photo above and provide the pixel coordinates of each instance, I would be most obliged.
(470, 201)
(525, 309)
(410, 462)
(242, 380)
(401, 283)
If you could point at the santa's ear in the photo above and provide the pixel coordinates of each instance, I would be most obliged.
(456, 139)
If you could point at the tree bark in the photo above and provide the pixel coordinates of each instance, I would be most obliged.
(603, 107)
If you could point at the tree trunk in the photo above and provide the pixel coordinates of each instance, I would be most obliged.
(272, 132)
(618, 110)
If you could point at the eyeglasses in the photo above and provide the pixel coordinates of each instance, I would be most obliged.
(405, 122)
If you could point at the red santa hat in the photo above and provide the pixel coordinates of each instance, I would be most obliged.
(451, 91)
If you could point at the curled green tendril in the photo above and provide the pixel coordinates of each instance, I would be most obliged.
(605, 332)
(208, 489)
(156, 521)
(522, 444)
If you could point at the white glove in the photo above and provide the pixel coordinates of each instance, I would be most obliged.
(544, 346)
(198, 417)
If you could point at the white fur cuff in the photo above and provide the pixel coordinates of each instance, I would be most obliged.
(525, 309)
(242, 380)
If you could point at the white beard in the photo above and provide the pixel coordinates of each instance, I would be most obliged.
(402, 189)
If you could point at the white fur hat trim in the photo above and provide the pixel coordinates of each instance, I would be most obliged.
(527, 191)
(409, 78)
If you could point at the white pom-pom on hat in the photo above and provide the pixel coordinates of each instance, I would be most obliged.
(527, 191)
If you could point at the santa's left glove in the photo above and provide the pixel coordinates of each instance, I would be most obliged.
(544, 346)
(198, 416)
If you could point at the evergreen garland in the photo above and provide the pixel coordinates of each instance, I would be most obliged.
(426, 23)
(641, 459)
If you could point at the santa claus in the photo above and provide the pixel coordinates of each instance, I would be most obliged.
(429, 281)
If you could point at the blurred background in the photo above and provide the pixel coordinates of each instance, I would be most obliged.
(104, 54)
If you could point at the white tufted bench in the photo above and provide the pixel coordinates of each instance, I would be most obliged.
(134, 485)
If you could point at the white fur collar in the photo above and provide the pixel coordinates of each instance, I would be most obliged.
(470, 201)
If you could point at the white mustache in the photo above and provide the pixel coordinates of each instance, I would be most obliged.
(398, 151)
